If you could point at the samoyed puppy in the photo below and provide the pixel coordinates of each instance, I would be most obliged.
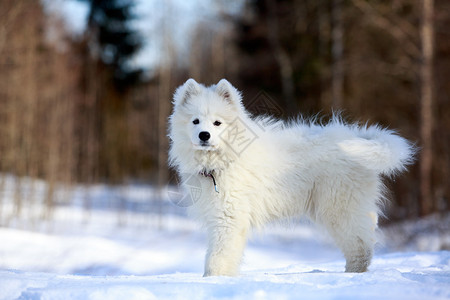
(252, 170)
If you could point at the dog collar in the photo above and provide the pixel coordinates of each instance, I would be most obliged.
(209, 174)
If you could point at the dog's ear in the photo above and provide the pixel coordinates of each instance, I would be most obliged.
(187, 90)
(228, 92)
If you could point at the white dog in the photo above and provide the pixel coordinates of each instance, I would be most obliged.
(250, 171)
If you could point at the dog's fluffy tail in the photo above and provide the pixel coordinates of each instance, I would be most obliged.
(379, 149)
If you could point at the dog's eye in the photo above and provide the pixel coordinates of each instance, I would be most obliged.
(196, 121)
(217, 123)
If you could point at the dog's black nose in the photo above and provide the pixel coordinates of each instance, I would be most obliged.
(204, 136)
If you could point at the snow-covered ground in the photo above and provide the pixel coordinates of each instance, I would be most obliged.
(394, 276)
(136, 254)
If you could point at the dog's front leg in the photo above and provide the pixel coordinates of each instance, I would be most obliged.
(225, 249)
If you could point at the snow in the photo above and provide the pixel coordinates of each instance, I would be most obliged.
(137, 254)
(392, 276)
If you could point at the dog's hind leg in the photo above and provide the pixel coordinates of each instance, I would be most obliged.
(358, 257)
(355, 236)
(347, 207)
(225, 250)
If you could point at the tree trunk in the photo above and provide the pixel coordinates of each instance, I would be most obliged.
(337, 37)
(282, 57)
(164, 93)
(324, 31)
(164, 110)
(426, 108)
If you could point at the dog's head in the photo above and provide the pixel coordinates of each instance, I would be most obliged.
(203, 113)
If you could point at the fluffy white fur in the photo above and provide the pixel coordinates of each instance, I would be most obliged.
(330, 173)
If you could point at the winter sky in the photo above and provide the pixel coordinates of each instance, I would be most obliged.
(174, 17)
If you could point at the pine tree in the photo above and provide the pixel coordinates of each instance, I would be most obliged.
(113, 40)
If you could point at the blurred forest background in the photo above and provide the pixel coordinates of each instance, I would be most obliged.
(77, 109)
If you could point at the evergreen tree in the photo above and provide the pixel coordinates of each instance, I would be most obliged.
(114, 41)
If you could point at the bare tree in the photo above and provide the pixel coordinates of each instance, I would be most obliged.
(337, 52)
(281, 56)
(426, 106)
(164, 94)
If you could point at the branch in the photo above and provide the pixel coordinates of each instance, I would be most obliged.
(402, 34)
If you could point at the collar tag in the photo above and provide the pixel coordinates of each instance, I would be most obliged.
(209, 174)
